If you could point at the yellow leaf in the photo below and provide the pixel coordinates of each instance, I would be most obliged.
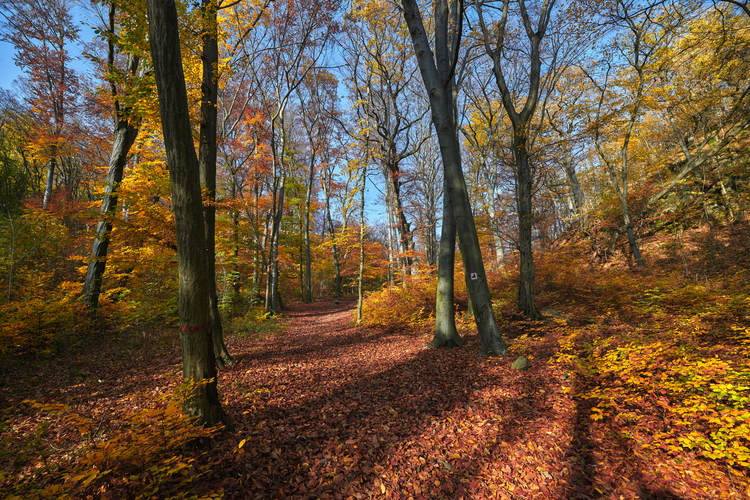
(242, 443)
(382, 488)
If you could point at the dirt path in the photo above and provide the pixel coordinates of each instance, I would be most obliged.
(326, 409)
(329, 410)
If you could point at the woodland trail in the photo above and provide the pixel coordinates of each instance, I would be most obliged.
(332, 410)
(324, 409)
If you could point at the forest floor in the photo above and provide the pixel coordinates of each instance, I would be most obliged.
(322, 408)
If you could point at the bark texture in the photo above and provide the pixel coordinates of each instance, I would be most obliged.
(198, 363)
(126, 131)
(207, 164)
(446, 334)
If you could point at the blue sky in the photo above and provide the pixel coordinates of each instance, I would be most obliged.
(8, 70)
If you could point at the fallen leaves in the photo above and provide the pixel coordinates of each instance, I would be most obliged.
(330, 410)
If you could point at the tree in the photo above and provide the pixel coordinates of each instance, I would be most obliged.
(382, 81)
(521, 121)
(742, 5)
(296, 37)
(646, 30)
(198, 362)
(702, 91)
(41, 33)
(438, 72)
(125, 133)
(207, 153)
(317, 97)
(484, 130)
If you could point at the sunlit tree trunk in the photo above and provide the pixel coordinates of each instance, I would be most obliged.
(438, 75)
(334, 249)
(446, 334)
(361, 277)
(126, 131)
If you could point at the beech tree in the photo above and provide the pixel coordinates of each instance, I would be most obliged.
(125, 133)
(384, 89)
(207, 153)
(198, 362)
(41, 33)
(438, 71)
(646, 29)
(494, 38)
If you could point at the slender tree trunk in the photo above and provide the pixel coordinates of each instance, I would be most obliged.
(207, 161)
(308, 200)
(496, 237)
(334, 249)
(272, 286)
(50, 180)
(446, 334)
(437, 74)
(126, 131)
(198, 362)
(235, 243)
(360, 280)
(125, 135)
(525, 228)
(403, 229)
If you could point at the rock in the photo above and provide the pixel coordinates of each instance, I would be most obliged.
(336, 301)
(520, 363)
(552, 315)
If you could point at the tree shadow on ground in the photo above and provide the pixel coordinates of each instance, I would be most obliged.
(352, 416)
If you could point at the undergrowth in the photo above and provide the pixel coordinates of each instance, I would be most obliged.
(663, 356)
(65, 454)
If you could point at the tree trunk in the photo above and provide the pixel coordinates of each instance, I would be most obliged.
(308, 199)
(334, 249)
(361, 276)
(403, 229)
(446, 334)
(525, 227)
(198, 362)
(496, 237)
(50, 179)
(437, 74)
(126, 132)
(207, 163)
(272, 279)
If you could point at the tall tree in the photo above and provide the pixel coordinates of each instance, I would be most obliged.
(317, 97)
(383, 82)
(125, 133)
(495, 44)
(41, 33)
(207, 153)
(198, 362)
(438, 73)
(646, 29)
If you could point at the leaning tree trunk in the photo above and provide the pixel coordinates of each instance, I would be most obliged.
(446, 334)
(198, 362)
(207, 165)
(125, 135)
(437, 74)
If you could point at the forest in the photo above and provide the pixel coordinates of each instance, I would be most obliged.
(460, 249)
